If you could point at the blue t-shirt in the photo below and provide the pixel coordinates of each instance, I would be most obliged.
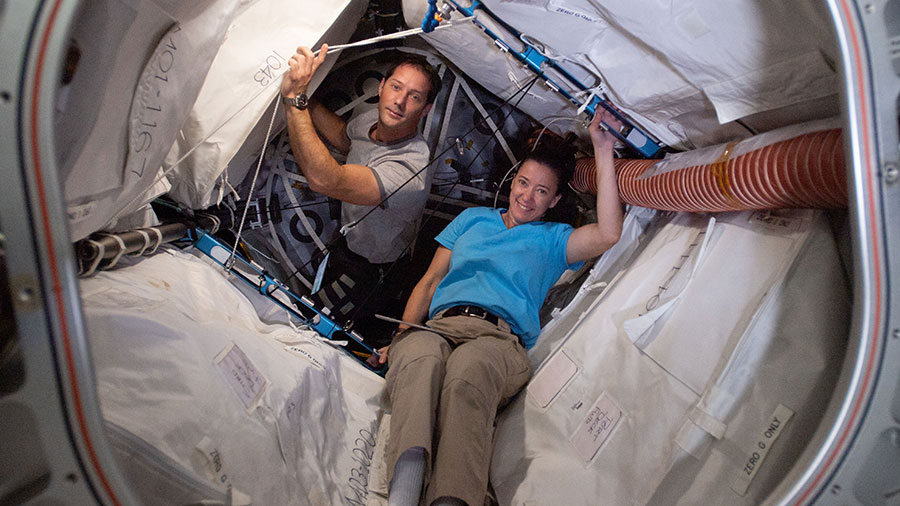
(507, 271)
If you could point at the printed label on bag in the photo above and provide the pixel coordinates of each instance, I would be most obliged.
(761, 448)
(776, 221)
(599, 423)
(209, 458)
(557, 7)
(244, 378)
(80, 212)
(297, 350)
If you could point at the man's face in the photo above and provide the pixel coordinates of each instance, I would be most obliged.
(402, 100)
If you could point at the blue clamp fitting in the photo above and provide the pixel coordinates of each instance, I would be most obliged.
(430, 22)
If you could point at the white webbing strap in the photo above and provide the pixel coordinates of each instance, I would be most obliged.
(112, 263)
(143, 233)
(159, 240)
(589, 94)
(101, 250)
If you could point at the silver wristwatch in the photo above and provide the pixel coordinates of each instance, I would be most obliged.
(301, 101)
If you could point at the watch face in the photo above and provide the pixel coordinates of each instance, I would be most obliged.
(300, 101)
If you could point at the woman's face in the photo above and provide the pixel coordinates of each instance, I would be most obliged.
(533, 191)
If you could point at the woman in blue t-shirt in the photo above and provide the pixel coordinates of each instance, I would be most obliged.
(481, 294)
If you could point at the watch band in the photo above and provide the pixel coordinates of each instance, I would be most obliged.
(301, 101)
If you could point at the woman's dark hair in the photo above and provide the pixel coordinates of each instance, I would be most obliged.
(421, 64)
(559, 157)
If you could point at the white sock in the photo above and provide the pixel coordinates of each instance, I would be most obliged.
(409, 472)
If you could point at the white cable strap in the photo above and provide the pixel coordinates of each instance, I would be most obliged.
(146, 238)
(513, 79)
(334, 343)
(548, 53)
(101, 250)
(222, 183)
(232, 188)
(538, 46)
(159, 240)
(537, 141)
(112, 263)
(226, 187)
(596, 91)
(511, 76)
(216, 223)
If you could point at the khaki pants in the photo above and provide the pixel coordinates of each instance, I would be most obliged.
(445, 393)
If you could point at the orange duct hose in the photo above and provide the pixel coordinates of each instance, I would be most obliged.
(806, 171)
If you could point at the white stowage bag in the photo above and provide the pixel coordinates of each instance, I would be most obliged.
(680, 69)
(694, 377)
(228, 123)
(143, 92)
(195, 386)
(185, 81)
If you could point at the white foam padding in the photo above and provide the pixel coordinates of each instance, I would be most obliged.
(151, 81)
(156, 329)
(234, 108)
(677, 68)
(637, 407)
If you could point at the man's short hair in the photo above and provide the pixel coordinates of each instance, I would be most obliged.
(421, 64)
(558, 156)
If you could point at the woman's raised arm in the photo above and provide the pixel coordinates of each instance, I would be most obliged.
(589, 241)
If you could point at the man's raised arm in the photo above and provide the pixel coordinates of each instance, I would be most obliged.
(351, 183)
(330, 126)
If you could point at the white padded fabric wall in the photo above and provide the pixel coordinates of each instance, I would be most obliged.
(155, 99)
(680, 69)
(156, 330)
(234, 108)
(138, 97)
(690, 350)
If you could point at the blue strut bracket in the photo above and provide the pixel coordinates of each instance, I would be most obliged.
(304, 309)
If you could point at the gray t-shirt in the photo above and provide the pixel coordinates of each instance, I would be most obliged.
(384, 235)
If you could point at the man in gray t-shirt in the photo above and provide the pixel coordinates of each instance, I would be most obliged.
(384, 235)
(386, 156)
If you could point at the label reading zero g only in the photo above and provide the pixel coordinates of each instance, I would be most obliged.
(761, 448)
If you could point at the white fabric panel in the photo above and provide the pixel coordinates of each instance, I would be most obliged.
(120, 156)
(705, 371)
(475, 54)
(671, 66)
(746, 56)
(610, 265)
(773, 86)
(183, 10)
(157, 328)
(803, 324)
(240, 87)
